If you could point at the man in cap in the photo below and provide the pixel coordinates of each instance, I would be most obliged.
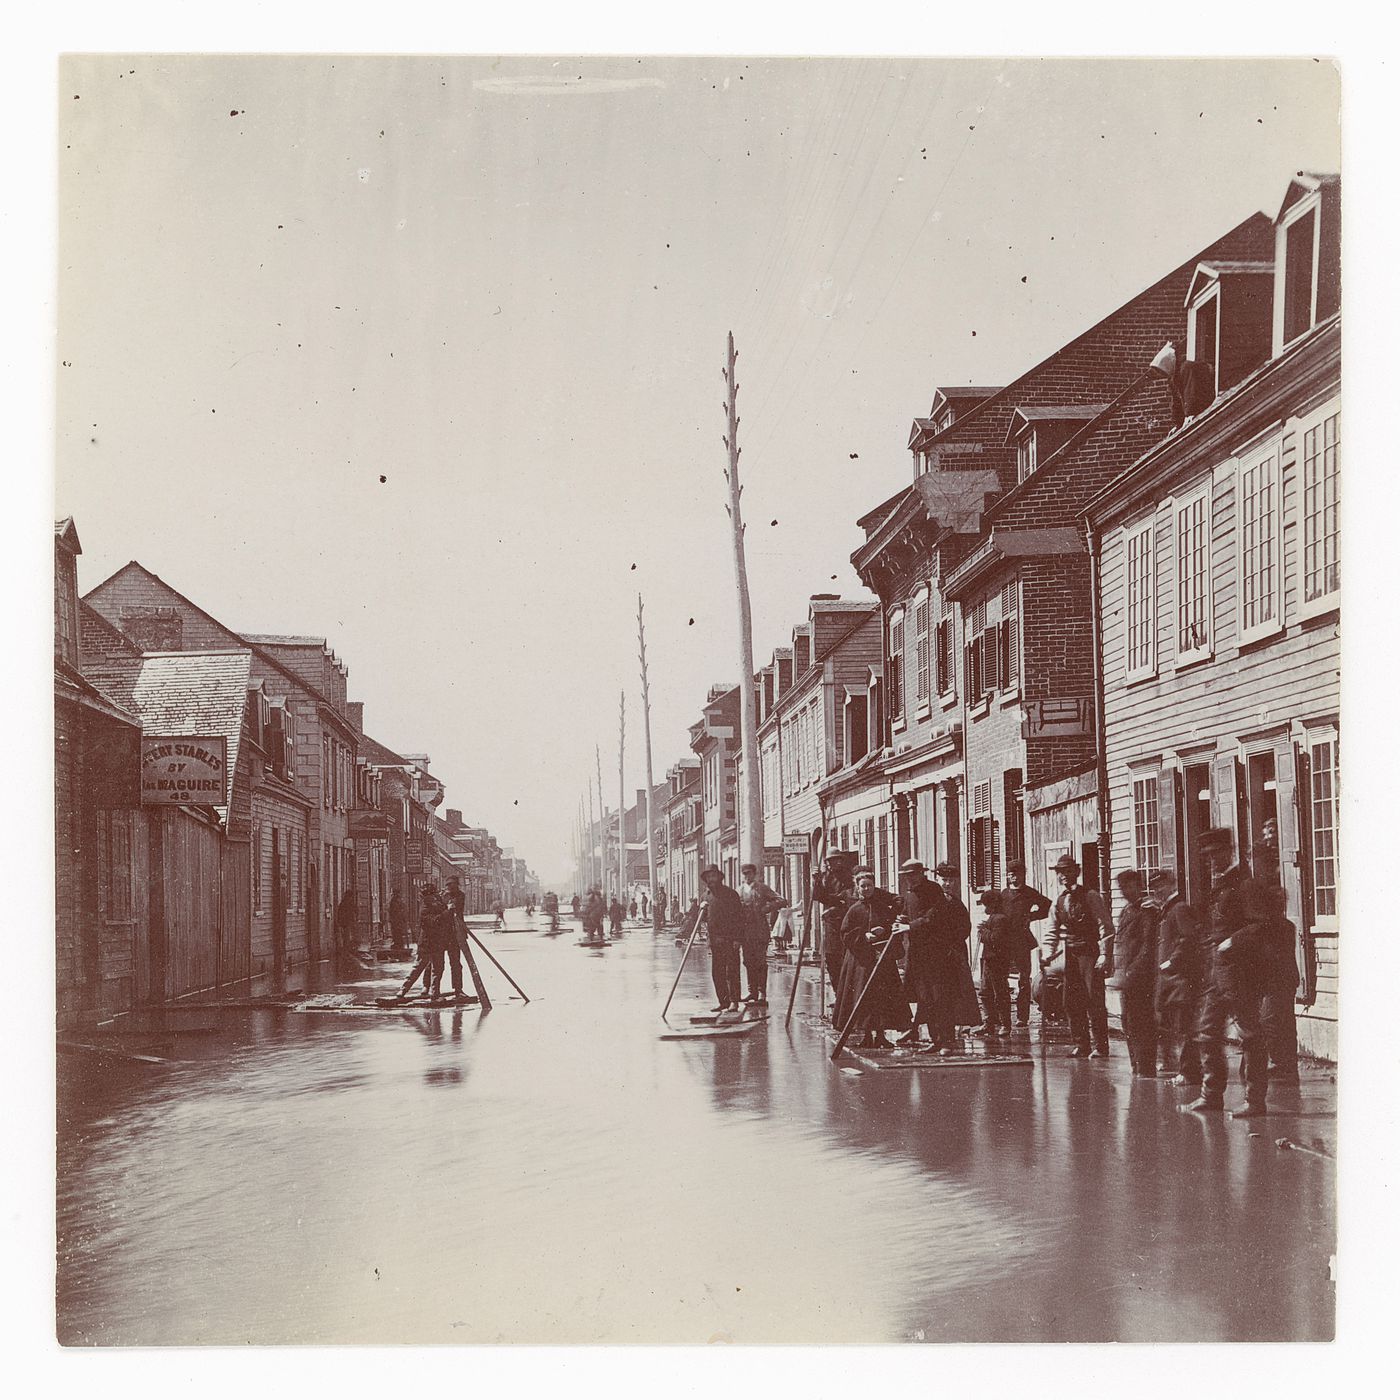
(759, 903)
(833, 888)
(1082, 926)
(1243, 969)
(928, 975)
(1023, 905)
(724, 916)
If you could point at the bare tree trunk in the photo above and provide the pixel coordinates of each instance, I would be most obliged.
(750, 796)
(646, 726)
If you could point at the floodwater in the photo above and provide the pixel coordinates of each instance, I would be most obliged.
(556, 1173)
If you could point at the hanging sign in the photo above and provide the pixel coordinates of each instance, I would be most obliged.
(186, 771)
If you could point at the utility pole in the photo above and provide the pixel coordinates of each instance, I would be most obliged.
(622, 802)
(590, 831)
(646, 726)
(750, 798)
(602, 824)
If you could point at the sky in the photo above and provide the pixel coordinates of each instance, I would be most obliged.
(423, 355)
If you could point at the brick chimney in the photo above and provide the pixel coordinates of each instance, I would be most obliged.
(355, 713)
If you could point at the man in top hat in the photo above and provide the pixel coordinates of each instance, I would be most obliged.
(1082, 926)
(724, 916)
(1023, 905)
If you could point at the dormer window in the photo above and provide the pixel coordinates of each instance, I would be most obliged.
(1307, 287)
(1025, 455)
(1203, 332)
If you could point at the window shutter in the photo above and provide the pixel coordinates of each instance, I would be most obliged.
(990, 678)
(1303, 810)
(1286, 802)
(994, 836)
(1013, 651)
(1222, 782)
(1166, 820)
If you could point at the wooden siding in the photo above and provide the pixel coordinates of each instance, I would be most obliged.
(1271, 686)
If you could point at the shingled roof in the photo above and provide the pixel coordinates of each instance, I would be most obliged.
(182, 693)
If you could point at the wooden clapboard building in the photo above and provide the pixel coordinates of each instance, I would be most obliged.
(1219, 593)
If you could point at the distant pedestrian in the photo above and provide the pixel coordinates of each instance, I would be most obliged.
(1181, 968)
(574, 903)
(345, 921)
(500, 916)
(646, 910)
(867, 982)
(724, 914)
(1082, 927)
(995, 943)
(1023, 905)
(1135, 953)
(661, 901)
(615, 917)
(632, 909)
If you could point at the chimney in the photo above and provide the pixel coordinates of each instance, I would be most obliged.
(454, 819)
(355, 712)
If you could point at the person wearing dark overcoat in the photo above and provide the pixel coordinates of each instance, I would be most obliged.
(1181, 964)
(868, 922)
(594, 912)
(1135, 974)
(996, 944)
(963, 1009)
(832, 888)
(928, 970)
(432, 944)
(724, 917)
(1081, 926)
(1023, 905)
(1243, 968)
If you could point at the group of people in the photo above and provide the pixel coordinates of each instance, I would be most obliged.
(738, 926)
(1183, 974)
(442, 925)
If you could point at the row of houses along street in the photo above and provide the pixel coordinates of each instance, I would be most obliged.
(298, 835)
(1105, 617)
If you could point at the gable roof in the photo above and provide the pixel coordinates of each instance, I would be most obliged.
(1025, 414)
(236, 639)
(183, 694)
(66, 534)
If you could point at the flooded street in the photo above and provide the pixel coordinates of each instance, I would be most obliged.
(557, 1173)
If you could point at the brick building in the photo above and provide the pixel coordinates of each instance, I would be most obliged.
(714, 739)
(309, 682)
(984, 574)
(679, 842)
(1219, 592)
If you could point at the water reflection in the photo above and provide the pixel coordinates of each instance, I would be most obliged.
(588, 1182)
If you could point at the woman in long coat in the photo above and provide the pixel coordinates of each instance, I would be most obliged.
(870, 918)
